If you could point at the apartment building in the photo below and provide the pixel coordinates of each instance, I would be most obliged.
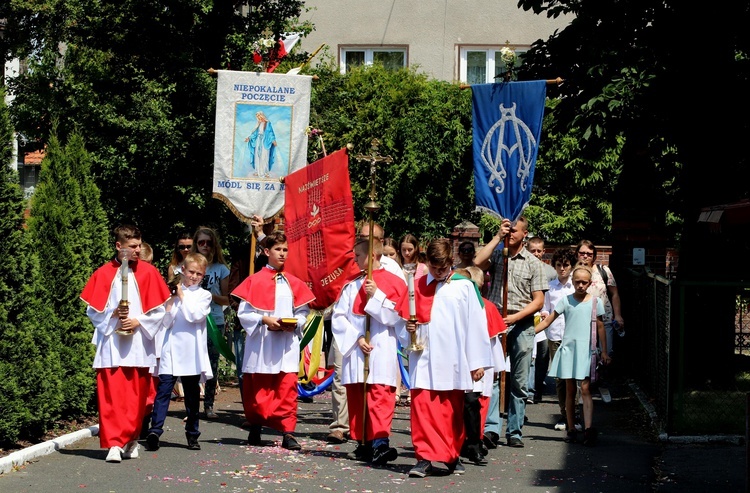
(451, 40)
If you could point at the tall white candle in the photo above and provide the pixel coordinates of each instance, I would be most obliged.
(412, 301)
(125, 254)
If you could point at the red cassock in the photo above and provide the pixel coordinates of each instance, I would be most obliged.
(271, 400)
(437, 426)
(124, 393)
(381, 399)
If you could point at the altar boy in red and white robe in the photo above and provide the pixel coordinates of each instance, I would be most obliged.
(123, 361)
(273, 311)
(375, 298)
(453, 326)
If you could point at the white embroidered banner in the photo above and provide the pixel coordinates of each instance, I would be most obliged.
(261, 119)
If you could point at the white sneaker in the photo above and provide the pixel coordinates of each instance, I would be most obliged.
(131, 450)
(115, 454)
(561, 425)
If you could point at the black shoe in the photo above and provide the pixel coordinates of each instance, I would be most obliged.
(152, 441)
(253, 438)
(570, 437)
(456, 468)
(383, 454)
(193, 443)
(483, 449)
(362, 453)
(290, 443)
(491, 439)
(515, 442)
(422, 469)
(537, 398)
(589, 437)
(476, 457)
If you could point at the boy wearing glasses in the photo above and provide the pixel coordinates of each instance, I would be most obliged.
(184, 352)
(123, 361)
(273, 311)
(456, 353)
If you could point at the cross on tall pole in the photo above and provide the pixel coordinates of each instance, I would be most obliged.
(374, 158)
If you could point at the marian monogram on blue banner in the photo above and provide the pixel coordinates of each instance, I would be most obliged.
(507, 121)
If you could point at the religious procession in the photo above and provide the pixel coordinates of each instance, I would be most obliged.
(449, 328)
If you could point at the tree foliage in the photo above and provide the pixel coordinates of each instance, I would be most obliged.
(624, 64)
(70, 227)
(133, 78)
(30, 374)
(423, 125)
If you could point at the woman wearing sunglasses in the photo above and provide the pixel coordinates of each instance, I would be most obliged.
(216, 280)
(181, 249)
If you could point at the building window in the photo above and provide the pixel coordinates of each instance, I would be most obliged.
(481, 65)
(392, 58)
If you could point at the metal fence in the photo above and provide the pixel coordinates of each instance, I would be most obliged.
(650, 310)
(694, 390)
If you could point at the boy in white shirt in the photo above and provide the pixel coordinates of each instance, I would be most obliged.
(184, 352)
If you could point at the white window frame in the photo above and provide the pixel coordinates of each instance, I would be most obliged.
(370, 53)
(492, 66)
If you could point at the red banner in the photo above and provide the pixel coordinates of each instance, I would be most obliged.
(319, 226)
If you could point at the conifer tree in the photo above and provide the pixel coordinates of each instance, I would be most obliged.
(59, 227)
(29, 360)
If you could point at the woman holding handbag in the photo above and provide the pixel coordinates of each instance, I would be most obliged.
(573, 360)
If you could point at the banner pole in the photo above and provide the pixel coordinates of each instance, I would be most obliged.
(374, 158)
(550, 82)
(504, 340)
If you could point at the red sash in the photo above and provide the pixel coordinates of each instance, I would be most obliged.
(495, 322)
(151, 287)
(260, 289)
(389, 283)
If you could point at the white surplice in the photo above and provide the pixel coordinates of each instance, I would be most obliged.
(348, 327)
(185, 348)
(457, 340)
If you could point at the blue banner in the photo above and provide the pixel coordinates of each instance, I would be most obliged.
(507, 121)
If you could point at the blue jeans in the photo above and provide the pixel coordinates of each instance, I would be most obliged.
(494, 420)
(191, 387)
(520, 348)
(238, 343)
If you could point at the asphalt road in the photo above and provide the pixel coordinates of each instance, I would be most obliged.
(625, 460)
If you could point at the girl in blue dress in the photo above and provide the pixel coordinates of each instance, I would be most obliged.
(572, 361)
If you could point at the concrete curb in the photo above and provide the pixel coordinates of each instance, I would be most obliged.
(16, 459)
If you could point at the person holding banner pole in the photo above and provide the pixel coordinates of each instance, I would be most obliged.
(519, 298)
(374, 297)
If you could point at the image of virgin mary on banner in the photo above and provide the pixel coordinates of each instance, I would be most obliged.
(260, 138)
(507, 124)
